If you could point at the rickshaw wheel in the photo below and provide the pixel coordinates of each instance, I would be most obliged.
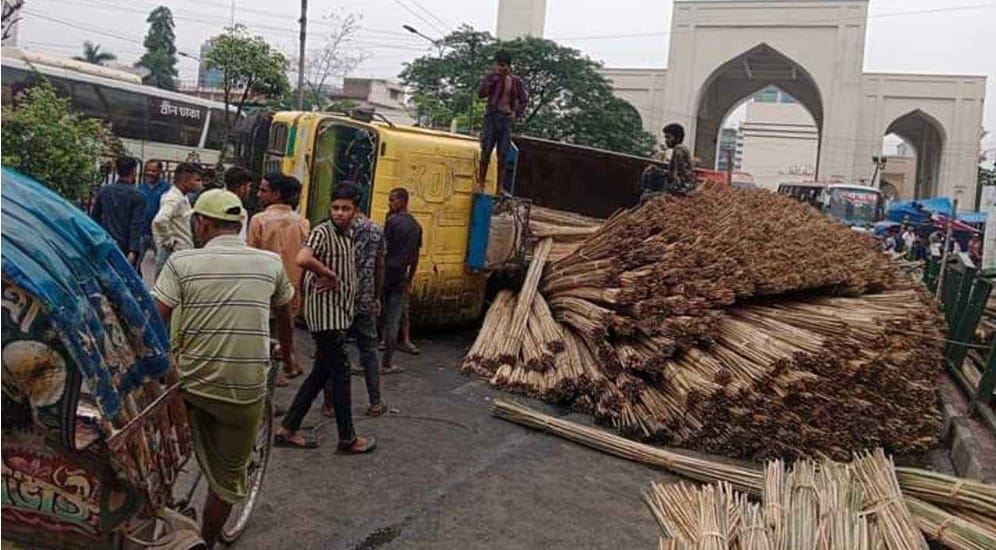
(238, 519)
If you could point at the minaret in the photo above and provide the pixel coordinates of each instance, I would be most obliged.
(518, 18)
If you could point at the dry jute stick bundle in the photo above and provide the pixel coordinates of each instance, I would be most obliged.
(818, 504)
(740, 323)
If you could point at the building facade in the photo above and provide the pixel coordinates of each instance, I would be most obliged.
(722, 51)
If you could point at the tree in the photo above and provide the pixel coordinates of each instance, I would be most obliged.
(248, 66)
(337, 56)
(92, 54)
(569, 100)
(160, 50)
(11, 15)
(46, 140)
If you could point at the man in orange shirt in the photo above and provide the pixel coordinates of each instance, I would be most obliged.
(278, 228)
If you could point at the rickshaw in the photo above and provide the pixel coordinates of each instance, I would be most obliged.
(94, 427)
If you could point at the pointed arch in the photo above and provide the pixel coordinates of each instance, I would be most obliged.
(927, 136)
(739, 78)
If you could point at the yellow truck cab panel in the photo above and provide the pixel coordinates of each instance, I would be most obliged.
(438, 169)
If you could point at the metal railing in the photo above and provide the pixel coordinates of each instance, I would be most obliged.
(963, 295)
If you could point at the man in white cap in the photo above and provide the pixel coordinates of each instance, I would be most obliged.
(221, 295)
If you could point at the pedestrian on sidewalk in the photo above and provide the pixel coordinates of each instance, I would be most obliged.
(222, 295)
(368, 239)
(403, 239)
(279, 229)
(171, 226)
(153, 188)
(329, 262)
(506, 97)
(120, 209)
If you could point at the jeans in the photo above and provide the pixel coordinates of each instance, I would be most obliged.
(331, 367)
(395, 304)
(364, 329)
(162, 254)
(497, 132)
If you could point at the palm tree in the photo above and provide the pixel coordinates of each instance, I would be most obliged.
(92, 54)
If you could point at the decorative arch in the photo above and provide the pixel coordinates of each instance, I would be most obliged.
(927, 136)
(739, 78)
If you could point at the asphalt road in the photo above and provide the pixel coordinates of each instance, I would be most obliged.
(445, 475)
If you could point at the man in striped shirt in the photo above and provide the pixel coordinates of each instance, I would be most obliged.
(222, 295)
(328, 260)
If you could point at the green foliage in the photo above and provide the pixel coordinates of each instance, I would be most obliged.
(249, 65)
(569, 100)
(92, 54)
(160, 50)
(44, 139)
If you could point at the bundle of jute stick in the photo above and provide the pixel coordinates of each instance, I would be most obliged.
(737, 322)
(567, 229)
(866, 503)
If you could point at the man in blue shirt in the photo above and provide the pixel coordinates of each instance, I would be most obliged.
(119, 208)
(152, 188)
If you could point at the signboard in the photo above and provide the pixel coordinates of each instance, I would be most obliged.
(988, 205)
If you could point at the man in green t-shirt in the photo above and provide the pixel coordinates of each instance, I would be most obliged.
(222, 293)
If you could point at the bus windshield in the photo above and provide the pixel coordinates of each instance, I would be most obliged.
(854, 206)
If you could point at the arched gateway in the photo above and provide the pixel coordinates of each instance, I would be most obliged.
(722, 51)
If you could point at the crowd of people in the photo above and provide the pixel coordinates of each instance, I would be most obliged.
(226, 281)
(928, 242)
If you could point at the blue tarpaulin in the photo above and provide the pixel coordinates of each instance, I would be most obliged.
(919, 211)
(95, 299)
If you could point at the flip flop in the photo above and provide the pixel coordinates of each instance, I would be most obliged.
(293, 375)
(281, 440)
(393, 369)
(411, 349)
(350, 449)
(377, 410)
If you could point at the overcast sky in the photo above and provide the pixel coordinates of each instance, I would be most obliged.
(955, 41)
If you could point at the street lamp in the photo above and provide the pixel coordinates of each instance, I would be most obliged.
(437, 43)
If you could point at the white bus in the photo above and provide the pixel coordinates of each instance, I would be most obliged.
(859, 206)
(153, 124)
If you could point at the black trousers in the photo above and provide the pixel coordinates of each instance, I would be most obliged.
(332, 367)
(497, 133)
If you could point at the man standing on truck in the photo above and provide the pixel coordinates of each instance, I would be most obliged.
(329, 263)
(506, 102)
(120, 209)
(171, 226)
(222, 294)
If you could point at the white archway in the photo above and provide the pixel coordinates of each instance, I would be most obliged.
(927, 137)
(739, 78)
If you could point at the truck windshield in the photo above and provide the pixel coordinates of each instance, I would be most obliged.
(854, 206)
(343, 154)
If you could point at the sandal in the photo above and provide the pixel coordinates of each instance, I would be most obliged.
(392, 369)
(294, 374)
(281, 440)
(377, 410)
(280, 381)
(410, 349)
(358, 446)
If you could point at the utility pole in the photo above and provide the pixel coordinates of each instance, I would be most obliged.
(300, 59)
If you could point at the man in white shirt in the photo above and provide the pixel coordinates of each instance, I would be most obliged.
(171, 226)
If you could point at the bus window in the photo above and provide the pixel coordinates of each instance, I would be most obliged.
(174, 122)
(276, 147)
(89, 101)
(128, 117)
(216, 130)
(343, 154)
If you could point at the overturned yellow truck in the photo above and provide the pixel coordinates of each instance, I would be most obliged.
(324, 150)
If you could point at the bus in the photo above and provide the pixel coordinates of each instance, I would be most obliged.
(859, 206)
(152, 123)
